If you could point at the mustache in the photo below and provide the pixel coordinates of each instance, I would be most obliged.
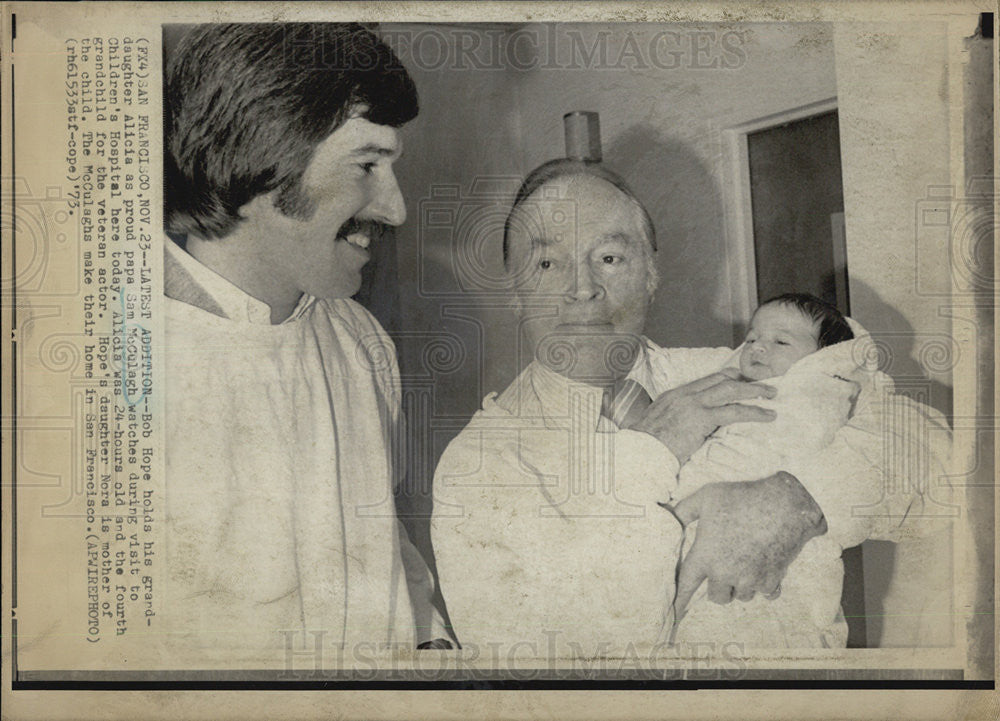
(371, 228)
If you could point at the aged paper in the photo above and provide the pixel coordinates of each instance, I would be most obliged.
(88, 578)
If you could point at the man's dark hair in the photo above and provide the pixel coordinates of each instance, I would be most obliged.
(833, 327)
(245, 106)
(565, 167)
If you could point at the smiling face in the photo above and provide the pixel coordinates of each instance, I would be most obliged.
(579, 259)
(779, 335)
(351, 188)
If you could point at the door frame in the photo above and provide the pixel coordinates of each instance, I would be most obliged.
(738, 221)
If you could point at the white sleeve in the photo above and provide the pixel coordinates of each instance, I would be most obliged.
(428, 623)
(880, 470)
(427, 619)
(673, 367)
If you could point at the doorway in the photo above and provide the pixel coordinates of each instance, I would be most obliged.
(797, 201)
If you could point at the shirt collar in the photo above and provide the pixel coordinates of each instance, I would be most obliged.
(644, 372)
(563, 400)
(206, 289)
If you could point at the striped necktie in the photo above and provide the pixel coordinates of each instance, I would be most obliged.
(626, 403)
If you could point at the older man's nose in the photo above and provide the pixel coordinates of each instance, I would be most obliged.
(388, 206)
(585, 286)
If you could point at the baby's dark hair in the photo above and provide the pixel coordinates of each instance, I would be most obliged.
(833, 327)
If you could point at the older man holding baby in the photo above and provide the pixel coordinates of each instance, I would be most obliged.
(561, 510)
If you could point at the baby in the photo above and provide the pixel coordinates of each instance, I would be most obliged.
(795, 345)
(786, 329)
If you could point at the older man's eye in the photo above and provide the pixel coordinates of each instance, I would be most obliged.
(610, 259)
(367, 167)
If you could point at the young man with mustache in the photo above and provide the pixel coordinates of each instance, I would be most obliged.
(279, 149)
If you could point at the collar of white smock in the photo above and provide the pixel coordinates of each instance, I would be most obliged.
(235, 303)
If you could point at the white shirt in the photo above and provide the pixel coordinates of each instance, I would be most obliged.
(547, 531)
(280, 514)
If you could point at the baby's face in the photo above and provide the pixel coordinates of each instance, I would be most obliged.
(779, 335)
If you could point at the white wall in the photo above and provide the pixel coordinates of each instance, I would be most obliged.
(900, 94)
(896, 148)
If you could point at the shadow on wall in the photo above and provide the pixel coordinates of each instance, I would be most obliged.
(692, 304)
(908, 356)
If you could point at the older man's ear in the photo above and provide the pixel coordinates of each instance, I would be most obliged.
(513, 296)
(515, 305)
(652, 276)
